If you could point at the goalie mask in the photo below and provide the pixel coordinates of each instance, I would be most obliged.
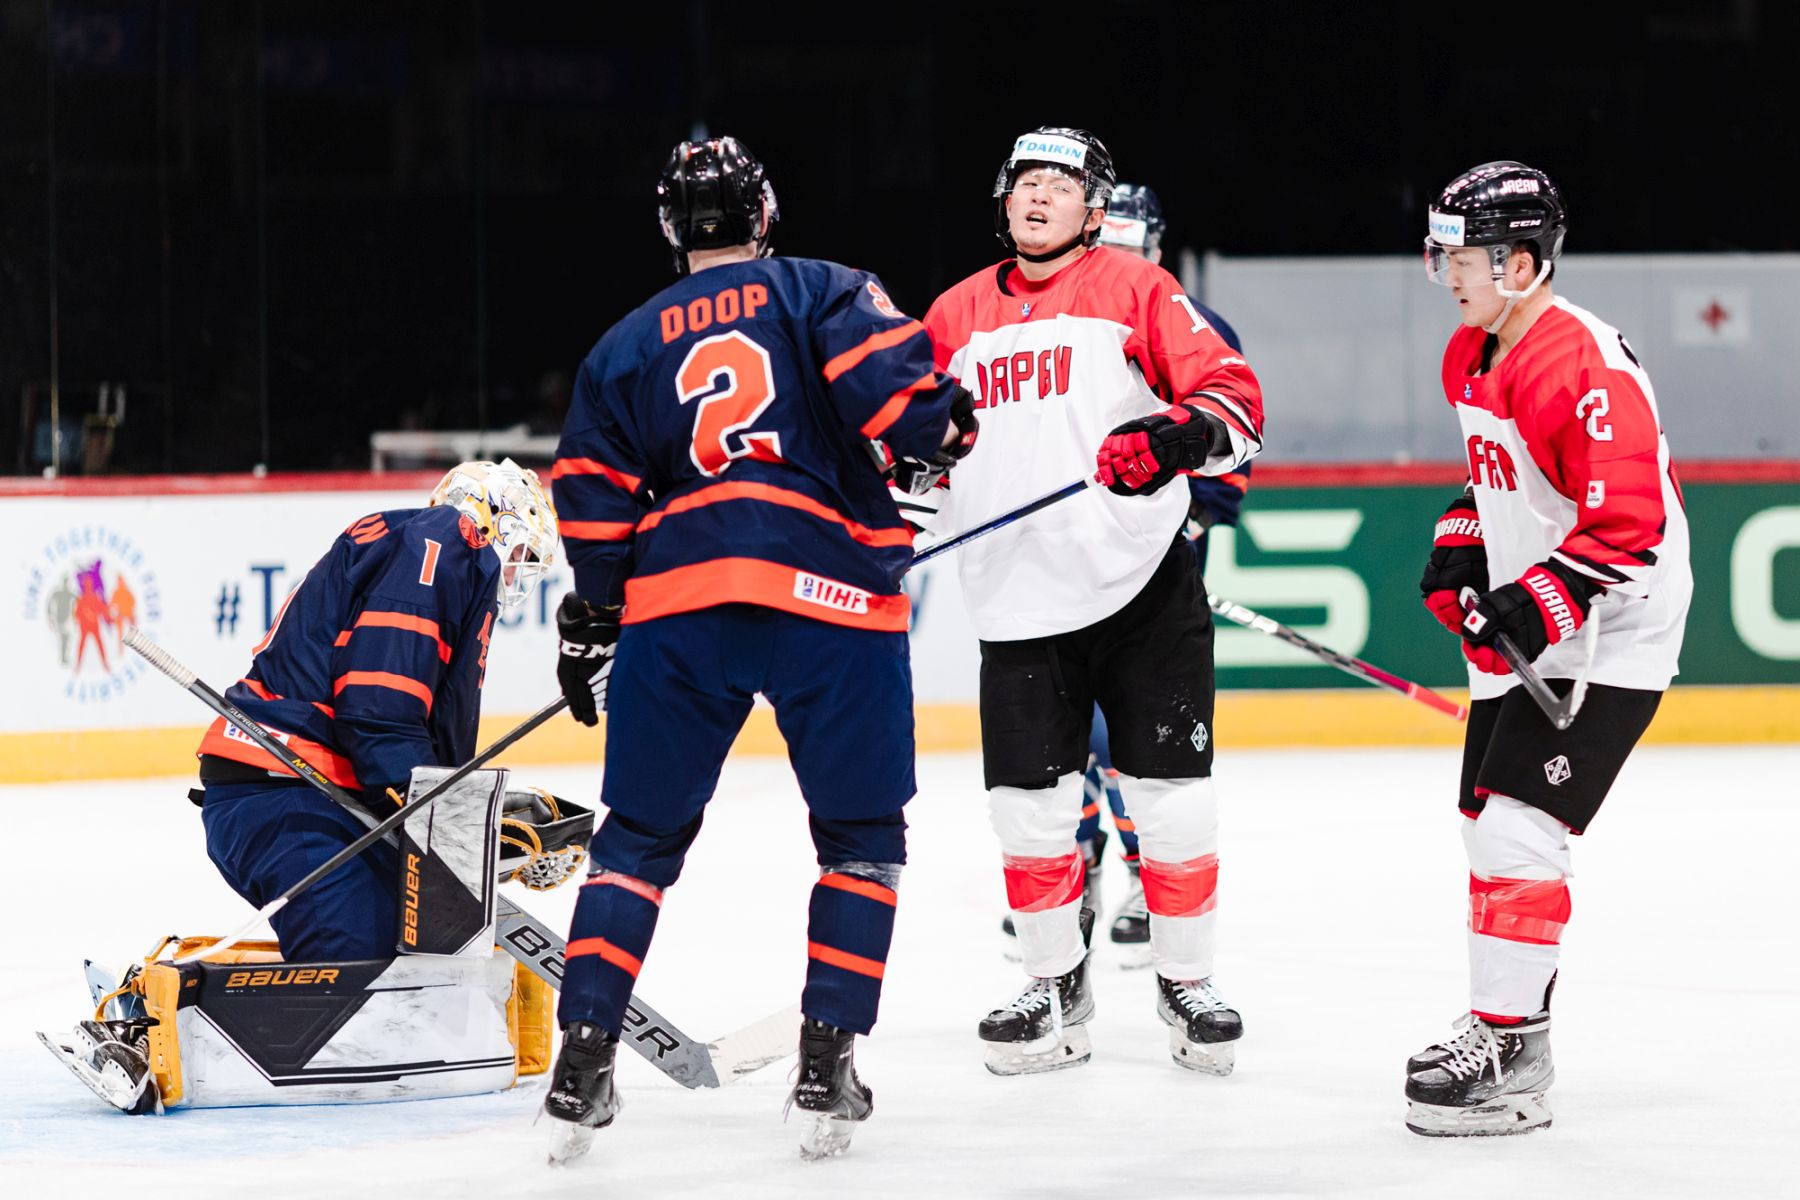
(1499, 206)
(509, 506)
(1076, 153)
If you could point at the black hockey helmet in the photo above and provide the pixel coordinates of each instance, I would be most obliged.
(1134, 218)
(1501, 205)
(713, 193)
(1075, 152)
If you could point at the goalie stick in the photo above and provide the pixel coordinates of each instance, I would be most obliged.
(1367, 672)
(689, 1062)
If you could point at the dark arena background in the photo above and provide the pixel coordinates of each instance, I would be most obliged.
(270, 266)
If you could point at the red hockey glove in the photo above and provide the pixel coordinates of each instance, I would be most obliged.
(1458, 561)
(1140, 456)
(1547, 605)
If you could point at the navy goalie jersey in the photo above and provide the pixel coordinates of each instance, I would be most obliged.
(375, 662)
(717, 447)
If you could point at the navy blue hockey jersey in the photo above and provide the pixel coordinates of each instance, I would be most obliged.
(375, 662)
(716, 450)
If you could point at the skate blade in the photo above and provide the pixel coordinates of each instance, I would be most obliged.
(1051, 1053)
(825, 1136)
(1501, 1117)
(1207, 1058)
(110, 1082)
(568, 1141)
(1131, 956)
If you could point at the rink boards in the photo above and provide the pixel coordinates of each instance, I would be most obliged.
(202, 564)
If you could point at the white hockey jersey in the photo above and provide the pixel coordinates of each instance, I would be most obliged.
(1567, 460)
(1055, 365)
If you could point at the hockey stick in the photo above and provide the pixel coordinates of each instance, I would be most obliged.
(1367, 672)
(534, 944)
(1560, 709)
(1004, 519)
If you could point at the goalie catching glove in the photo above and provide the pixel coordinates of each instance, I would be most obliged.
(1546, 606)
(543, 839)
(587, 639)
(1140, 456)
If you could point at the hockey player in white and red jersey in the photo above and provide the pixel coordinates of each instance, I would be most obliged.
(1091, 361)
(1572, 534)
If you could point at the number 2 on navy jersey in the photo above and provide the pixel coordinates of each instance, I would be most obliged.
(731, 377)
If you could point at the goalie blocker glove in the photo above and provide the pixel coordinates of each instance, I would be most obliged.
(587, 639)
(1546, 606)
(1140, 456)
(1458, 561)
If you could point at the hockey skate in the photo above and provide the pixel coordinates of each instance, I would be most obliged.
(113, 1059)
(1440, 1052)
(1131, 925)
(1203, 1029)
(1044, 1029)
(1490, 1081)
(581, 1097)
(827, 1090)
(1090, 894)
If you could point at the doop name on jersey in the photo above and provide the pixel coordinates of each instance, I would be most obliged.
(1056, 365)
(1567, 460)
(780, 369)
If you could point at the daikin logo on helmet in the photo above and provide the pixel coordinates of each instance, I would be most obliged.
(1049, 148)
(1446, 227)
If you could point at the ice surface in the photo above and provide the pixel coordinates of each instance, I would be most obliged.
(1342, 904)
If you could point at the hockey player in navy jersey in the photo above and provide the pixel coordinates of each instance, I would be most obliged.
(1092, 362)
(1571, 540)
(373, 667)
(730, 535)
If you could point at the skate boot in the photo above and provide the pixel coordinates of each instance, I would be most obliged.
(1491, 1081)
(113, 1059)
(1441, 1052)
(1044, 1029)
(1131, 925)
(1203, 1029)
(1091, 852)
(828, 1090)
(581, 1097)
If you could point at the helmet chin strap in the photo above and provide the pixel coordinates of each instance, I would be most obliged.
(1513, 298)
(1051, 255)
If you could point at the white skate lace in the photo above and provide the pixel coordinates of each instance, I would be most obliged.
(1474, 1049)
(1034, 998)
(1197, 996)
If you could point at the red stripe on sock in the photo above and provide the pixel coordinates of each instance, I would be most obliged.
(589, 947)
(849, 962)
(1184, 889)
(1519, 910)
(1040, 884)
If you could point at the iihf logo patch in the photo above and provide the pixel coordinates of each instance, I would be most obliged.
(1557, 770)
(1468, 391)
(1025, 309)
(1198, 737)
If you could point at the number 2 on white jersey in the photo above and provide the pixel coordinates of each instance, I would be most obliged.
(1596, 401)
(745, 387)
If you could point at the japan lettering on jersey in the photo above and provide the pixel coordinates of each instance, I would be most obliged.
(375, 662)
(1055, 366)
(717, 447)
(1567, 460)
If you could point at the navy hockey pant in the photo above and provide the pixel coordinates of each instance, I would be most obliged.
(681, 688)
(266, 837)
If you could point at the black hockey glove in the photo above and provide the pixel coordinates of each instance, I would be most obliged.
(1547, 605)
(1458, 561)
(915, 476)
(1140, 456)
(588, 637)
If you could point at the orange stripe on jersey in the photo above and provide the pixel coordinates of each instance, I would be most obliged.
(383, 679)
(772, 585)
(597, 531)
(588, 466)
(850, 359)
(849, 962)
(770, 494)
(343, 639)
(239, 748)
(369, 529)
(408, 622)
(605, 950)
(896, 404)
(258, 690)
(859, 887)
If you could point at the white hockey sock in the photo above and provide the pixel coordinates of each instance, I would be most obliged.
(1044, 871)
(1518, 905)
(1178, 861)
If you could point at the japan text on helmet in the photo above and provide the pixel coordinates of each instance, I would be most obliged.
(1134, 219)
(509, 507)
(714, 193)
(1075, 152)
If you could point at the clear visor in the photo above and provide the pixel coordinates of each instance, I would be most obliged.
(1464, 266)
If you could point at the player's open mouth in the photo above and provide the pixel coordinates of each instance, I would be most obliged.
(1036, 219)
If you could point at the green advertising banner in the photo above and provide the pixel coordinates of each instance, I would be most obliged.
(1341, 565)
